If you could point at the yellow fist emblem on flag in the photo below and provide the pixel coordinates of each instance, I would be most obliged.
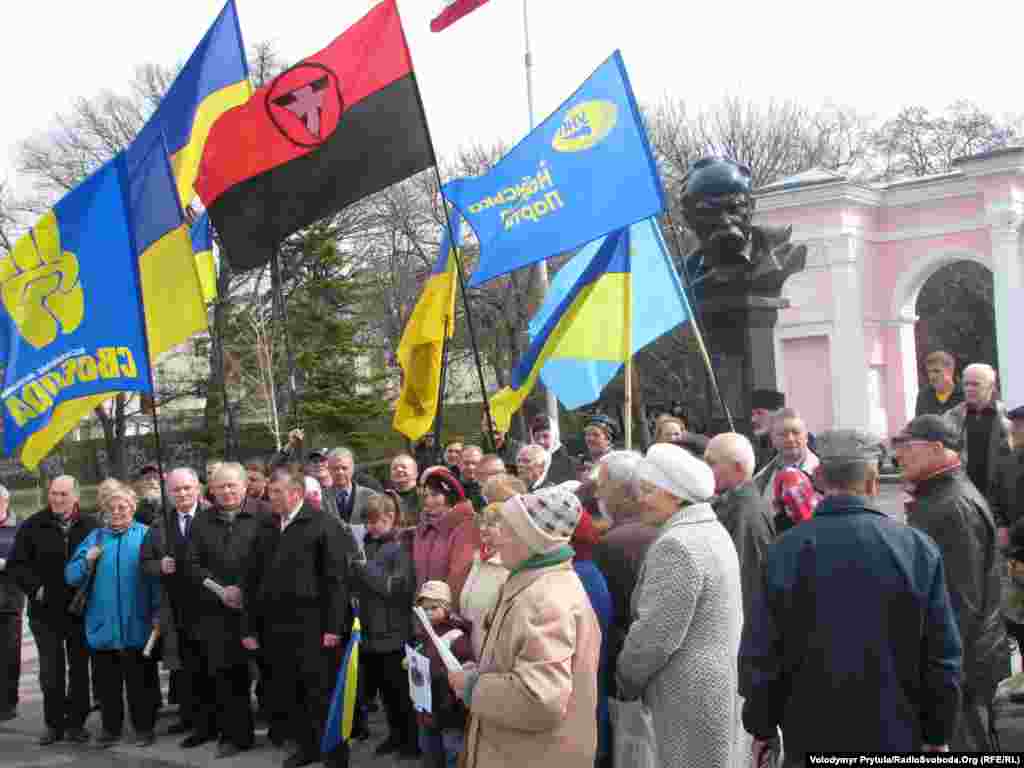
(39, 285)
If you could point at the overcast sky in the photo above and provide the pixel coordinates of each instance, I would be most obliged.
(874, 55)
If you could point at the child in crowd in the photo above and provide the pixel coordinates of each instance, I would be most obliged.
(441, 732)
(383, 581)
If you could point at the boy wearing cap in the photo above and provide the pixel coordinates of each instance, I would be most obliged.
(950, 508)
(442, 730)
(854, 610)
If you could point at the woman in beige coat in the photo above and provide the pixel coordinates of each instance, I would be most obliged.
(533, 696)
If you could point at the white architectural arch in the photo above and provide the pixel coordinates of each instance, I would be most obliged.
(910, 282)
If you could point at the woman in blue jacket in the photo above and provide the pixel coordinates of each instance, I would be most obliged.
(123, 608)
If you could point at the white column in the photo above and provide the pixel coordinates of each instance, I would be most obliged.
(1005, 219)
(849, 364)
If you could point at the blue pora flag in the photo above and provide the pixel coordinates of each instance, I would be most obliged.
(658, 305)
(79, 292)
(585, 171)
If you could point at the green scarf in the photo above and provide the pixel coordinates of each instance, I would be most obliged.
(554, 557)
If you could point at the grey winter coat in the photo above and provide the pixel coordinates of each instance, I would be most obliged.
(681, 650)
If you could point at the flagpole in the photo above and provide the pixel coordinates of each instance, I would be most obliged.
(627, 330)
(541, 267)
(441, 389)
(695, 322)
(281, 313)
(488, 434)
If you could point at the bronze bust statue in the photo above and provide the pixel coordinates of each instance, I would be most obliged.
(718, 206)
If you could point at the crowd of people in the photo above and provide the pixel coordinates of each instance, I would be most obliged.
(738, 587)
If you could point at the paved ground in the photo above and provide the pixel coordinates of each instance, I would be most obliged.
(18, 737)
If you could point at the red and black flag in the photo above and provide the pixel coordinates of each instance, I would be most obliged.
(338, 126)
(452, 12)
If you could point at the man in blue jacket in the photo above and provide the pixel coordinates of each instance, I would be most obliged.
(854, 617)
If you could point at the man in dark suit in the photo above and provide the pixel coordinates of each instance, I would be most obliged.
(227, 546)
(350, 498)
(43, 545)
(302, 613)
(165, 555)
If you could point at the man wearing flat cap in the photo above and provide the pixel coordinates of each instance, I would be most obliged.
(854, 609)
(949, 508)
(1006, 491)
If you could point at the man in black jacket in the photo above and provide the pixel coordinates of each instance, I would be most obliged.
(949, 508)
(854, 610)
(228, 545)
(165, 555)
(744, 512)
(43, 545)
(302, 615)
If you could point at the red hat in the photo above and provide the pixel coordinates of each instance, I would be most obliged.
(442, 478)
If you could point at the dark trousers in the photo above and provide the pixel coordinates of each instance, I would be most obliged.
(120, 672)
(188, 681)
(973, 732)
(63, 673)
(224, 706)
(10, 659)
(301, 686)
(383, 672)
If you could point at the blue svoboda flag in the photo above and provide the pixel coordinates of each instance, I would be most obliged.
(585, 171)
(659, 304)
(98, 288)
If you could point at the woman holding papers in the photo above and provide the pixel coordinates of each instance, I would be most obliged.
(122, 615)
(533, 696)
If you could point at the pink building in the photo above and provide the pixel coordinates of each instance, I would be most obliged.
(845, 349)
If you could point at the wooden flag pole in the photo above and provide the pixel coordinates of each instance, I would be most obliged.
(628, 416)
(441, 392)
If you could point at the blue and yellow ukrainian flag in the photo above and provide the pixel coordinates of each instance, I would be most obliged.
(213, 80)
(341, 715)
(202, 247)
(91, 295)
(593, 321)
(421, 349)
(659, 305)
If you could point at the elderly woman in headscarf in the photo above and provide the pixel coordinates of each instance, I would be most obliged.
(681, 651)
(444, 541)
(123, 609)
(532, 699)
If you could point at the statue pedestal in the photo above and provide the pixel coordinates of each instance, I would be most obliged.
(739, 333)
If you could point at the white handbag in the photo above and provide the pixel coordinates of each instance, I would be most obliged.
(634, 742)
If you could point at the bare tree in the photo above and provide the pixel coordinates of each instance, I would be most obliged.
(919, 143)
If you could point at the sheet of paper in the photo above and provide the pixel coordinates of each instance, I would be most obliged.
(419, 680)
(359, 534)
(153, 637)
(450, 662)
(214, 587)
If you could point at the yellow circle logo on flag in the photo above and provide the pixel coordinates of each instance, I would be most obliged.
(585, 126)
(39, 285)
